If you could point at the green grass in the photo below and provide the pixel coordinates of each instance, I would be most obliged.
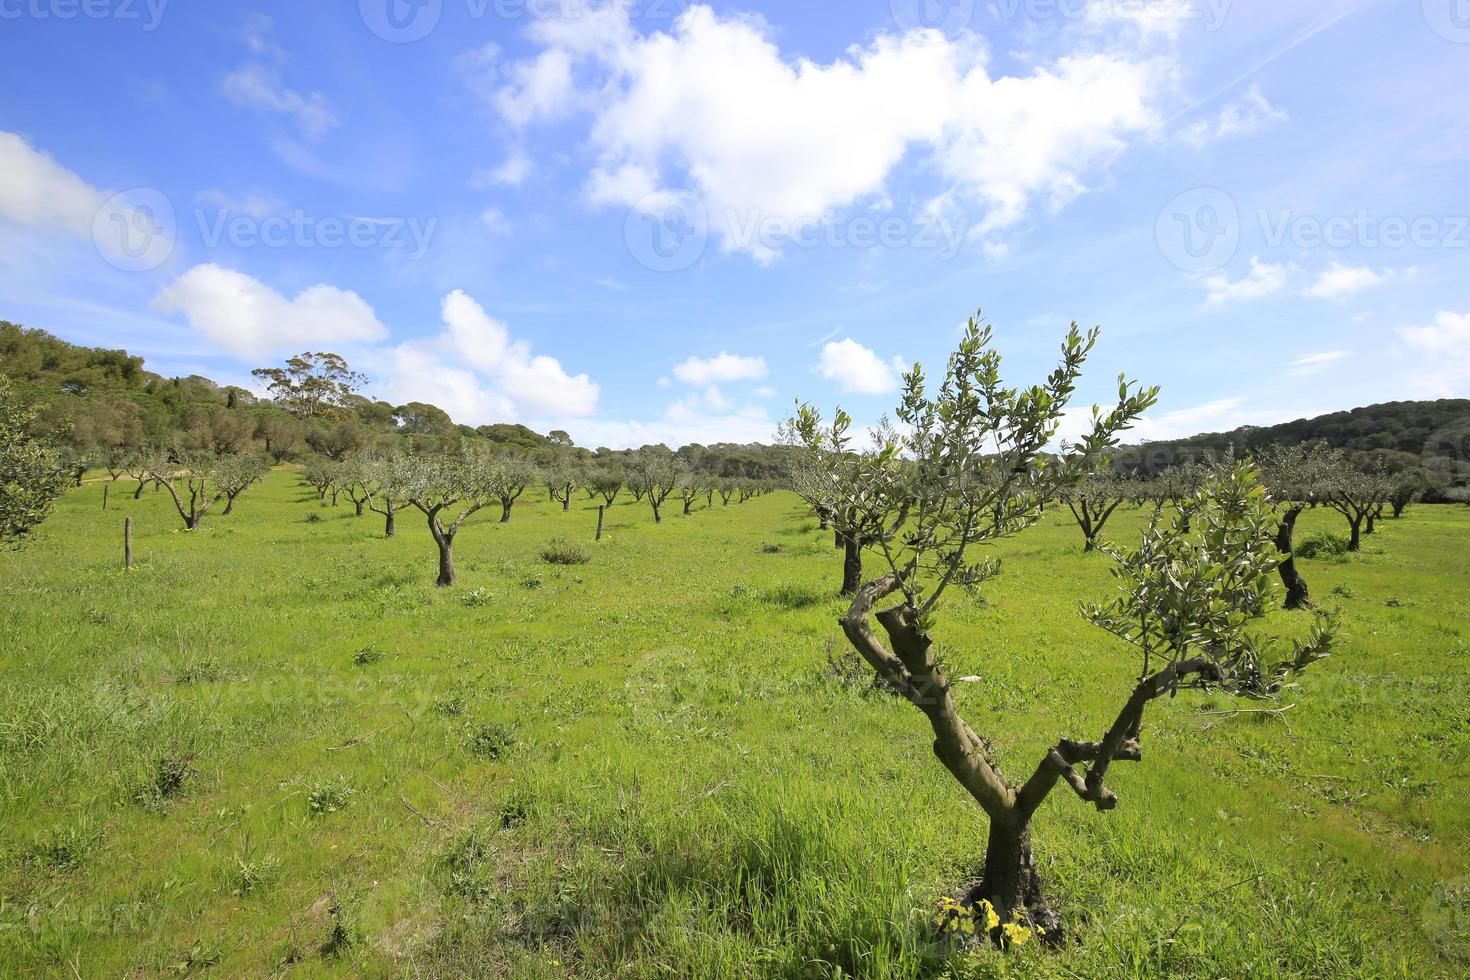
(276, 748)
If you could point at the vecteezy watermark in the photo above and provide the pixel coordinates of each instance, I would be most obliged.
(950, 18)
(668, 231)
(1447, 918)
(1145, 14)
(138, 231)
(147, 12)
(1201, 229)
(406, 21)
(302, 230)
(1450, 19)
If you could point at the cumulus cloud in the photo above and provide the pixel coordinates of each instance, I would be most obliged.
(857, 369)
(512, 173)
(1264, 279)
(688, 420)
(1449, 334)
(1340, 281)
(479, 374)
(717, 370)
(255, 86)
(713, 104)
(39, 193)
(242, 315)
(1253, 112)
(495, 220)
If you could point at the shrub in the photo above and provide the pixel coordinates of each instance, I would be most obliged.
(1322, 546)
(367, 656)
(478, 598)
(564, 553)
(174, 769)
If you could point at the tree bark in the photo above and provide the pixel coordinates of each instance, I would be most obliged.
(1356, 541)
(1010, 882)
(389, 523)
(852, 565)
(446, 559)
(1297, 595)
(138, 493)
(505, 512)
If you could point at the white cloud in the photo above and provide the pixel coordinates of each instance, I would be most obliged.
(725, 367)
(256, 86)
(496, 221)
(1264, 279)
(1341, 280)
(714, 105)
(1251, 113)
(1449, 334)
(857, 369)
(1220, 415)
(242, 315)
(512, 173)
(39, 193)
(686, 421)
(765, 392)
(1309, 364)
(613, 285)
(477, 373)
(256, 204)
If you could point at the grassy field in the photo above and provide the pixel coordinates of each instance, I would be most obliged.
(276, 749)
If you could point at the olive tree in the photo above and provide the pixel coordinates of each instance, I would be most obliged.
(561, 483)
(1094, 498)
(350, 476)
(32, 474)
(1297, 477)
(975, 449)
(319, 473)
(1356, 494)
(826, 472)
(690, 489)
(191, 483)
(381, 476)
(509, 477)
(439, 486)
(236, 474)
(607, 483)
(657, 472)
(141, 466)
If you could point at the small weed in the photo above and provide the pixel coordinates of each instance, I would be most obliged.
(204, 672)
(174, 769)
(198, 957)
(768, 548)
(1393, 602)
(63, 848)
(792, 597)
(448, 705)
(478, 598)
(465, 863)
(367, 656)
(1343, 592)
(531, 582)
(343, 935)
(565, 553)
(491, 741)
(330, 796)
(515, 809)
(313, 518)
(250, 876)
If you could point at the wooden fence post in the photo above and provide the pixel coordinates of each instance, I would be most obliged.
(601, 510)
(128, 543)
(105, 487)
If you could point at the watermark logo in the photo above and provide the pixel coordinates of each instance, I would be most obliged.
(1450, 19)
(149, 13)
(136, 231)
(950, 18)
(1199, 230)
(401, 21)
(668, 231)
(1147, 15)
(1447, 918)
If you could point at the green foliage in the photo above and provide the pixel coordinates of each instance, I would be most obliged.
(1198, 582)
(1325, 546)
(560, 552)
(31, 470)
(329, 795)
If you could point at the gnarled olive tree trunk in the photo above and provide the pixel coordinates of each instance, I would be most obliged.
(1297, 595)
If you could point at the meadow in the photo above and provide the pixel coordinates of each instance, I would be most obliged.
(274, 748)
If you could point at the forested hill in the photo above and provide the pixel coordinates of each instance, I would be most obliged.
(1423, 427)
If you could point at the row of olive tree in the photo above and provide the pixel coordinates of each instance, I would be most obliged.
(967, 465)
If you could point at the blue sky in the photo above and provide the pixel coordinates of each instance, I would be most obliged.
(653, 220)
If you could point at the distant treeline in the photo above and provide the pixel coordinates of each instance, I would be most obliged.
(96, 402)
